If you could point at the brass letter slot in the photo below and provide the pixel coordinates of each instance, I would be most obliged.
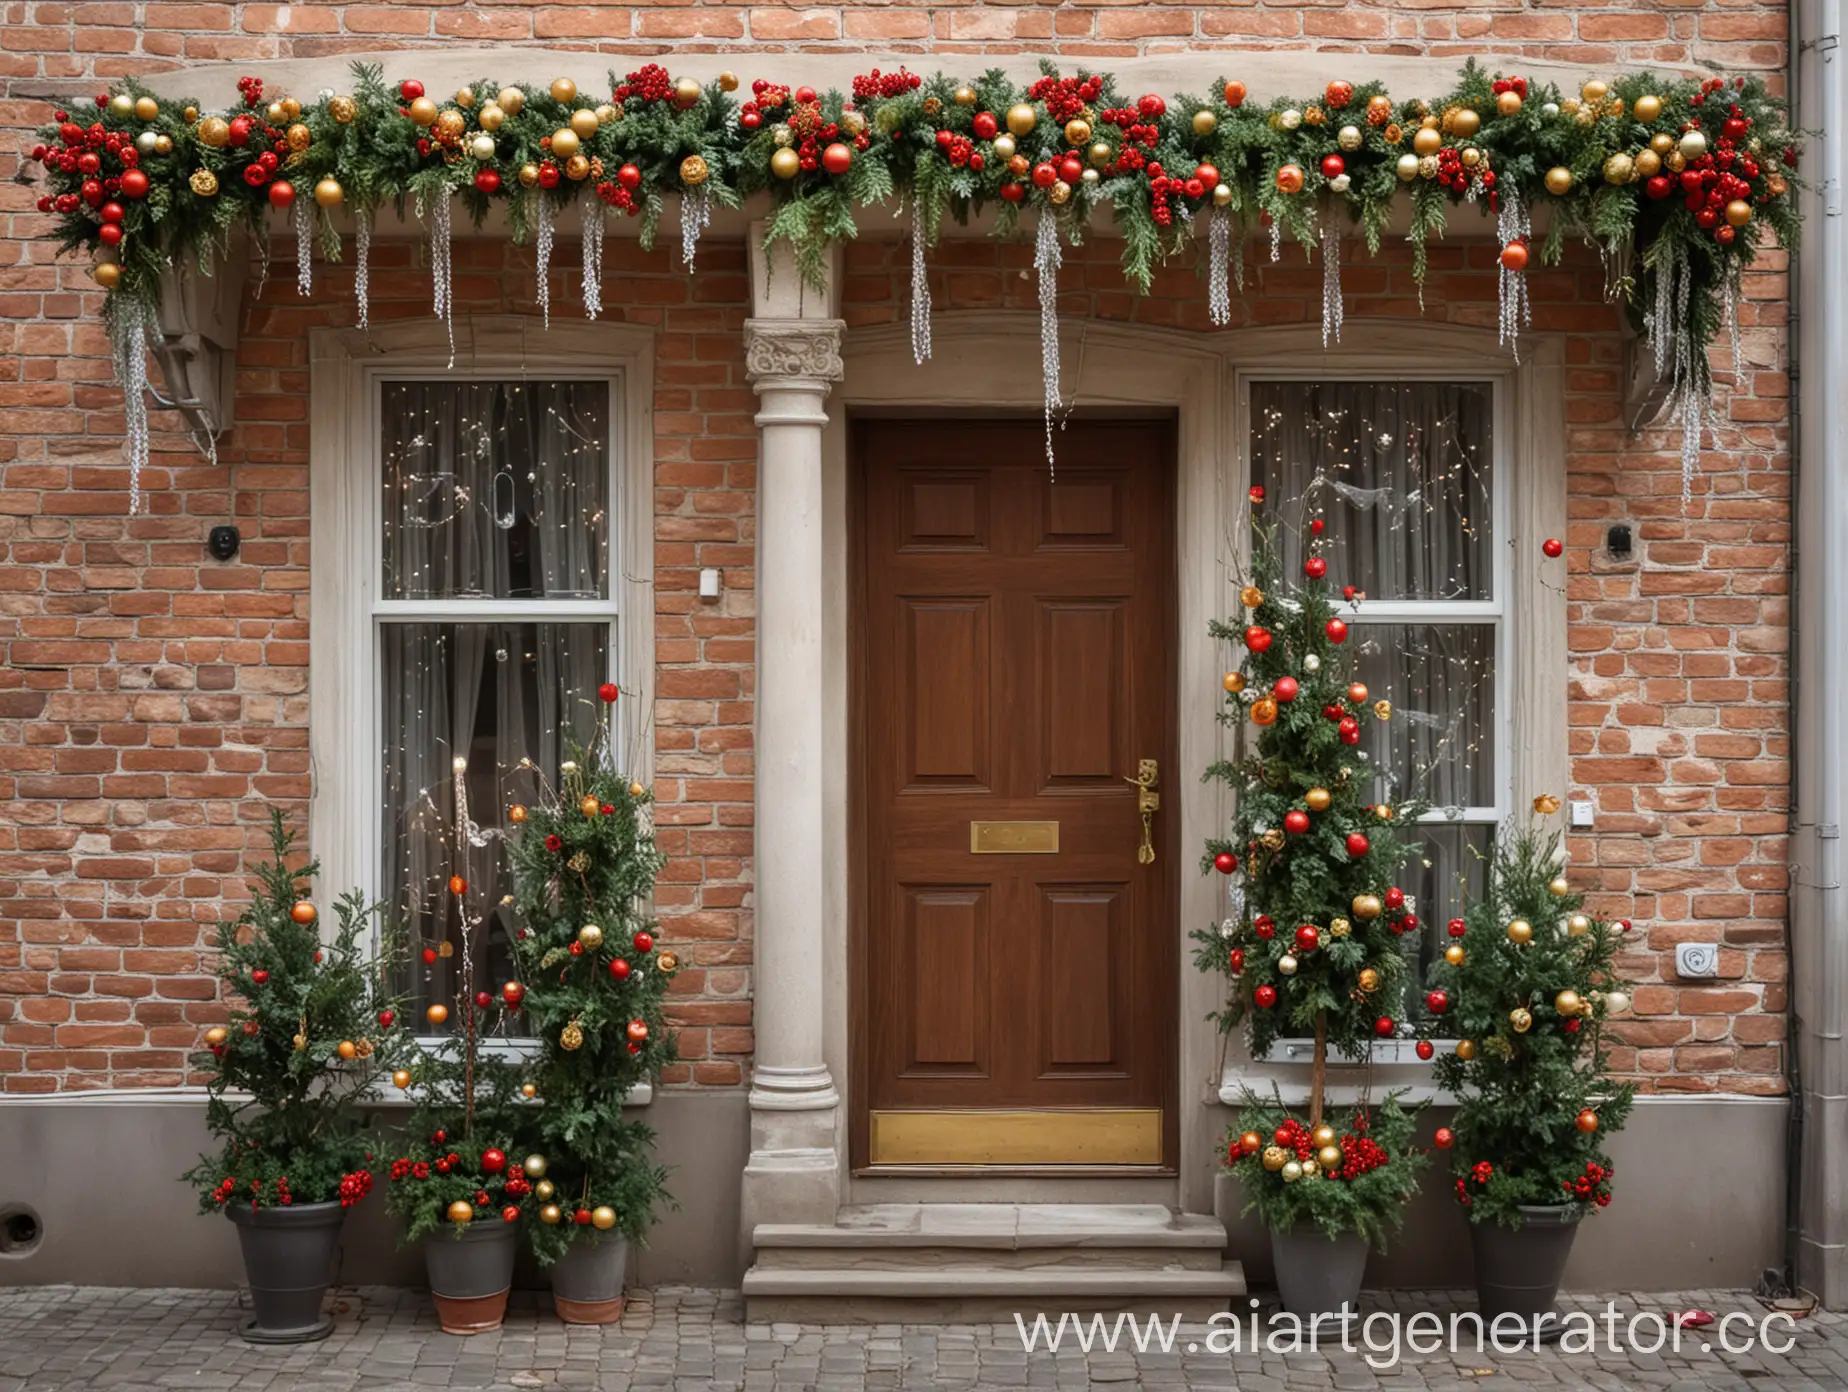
(1013, 838)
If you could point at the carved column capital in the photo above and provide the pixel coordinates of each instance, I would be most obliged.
(784, 350)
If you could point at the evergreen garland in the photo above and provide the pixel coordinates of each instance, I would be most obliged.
(1365, 1191)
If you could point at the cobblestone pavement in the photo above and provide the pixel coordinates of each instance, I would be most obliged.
(62, 1338)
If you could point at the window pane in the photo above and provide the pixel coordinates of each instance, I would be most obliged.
(1455, 876)
(495, 489)
(1399, 469)
(497, 695)
(1440, 740)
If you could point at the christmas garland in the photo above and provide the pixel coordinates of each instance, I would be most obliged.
(1675, 180)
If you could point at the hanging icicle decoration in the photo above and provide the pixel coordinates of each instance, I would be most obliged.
(1276, 229)
(1047, 257)
(362, 264)
(1733, 293)
(1218, 277)
(1674, 358)
(593, 257)
(695, 214)
(1512, 225)
(442, 247)
(920, 292)
(128, 321)
(304, 247)
(542, 256)
(1331, 282)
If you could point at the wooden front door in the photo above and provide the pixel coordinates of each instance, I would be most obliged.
(1018, 949)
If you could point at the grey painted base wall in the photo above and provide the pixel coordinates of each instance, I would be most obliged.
(100, 1176)
(1698, 1203)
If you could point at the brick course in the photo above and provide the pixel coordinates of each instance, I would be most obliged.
(152, 699)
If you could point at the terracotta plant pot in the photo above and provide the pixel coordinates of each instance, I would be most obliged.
(289, 1263)
(1518, 1270)
(1317, 1274)
(470, 1273)
(587, 1280)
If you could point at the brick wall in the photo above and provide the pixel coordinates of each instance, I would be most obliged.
(151, 699)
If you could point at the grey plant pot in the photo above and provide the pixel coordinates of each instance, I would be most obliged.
(587, 1281)
(1317, 1274)
(289, 1262)
(470, 1273)
(1518, 1270)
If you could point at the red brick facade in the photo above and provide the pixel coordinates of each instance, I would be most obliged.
(152, 700)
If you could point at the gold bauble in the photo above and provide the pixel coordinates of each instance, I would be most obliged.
(1648, 164)
(1559, 181)
(528, 1090)
(1466, 1049)
(203, 182)
(1060, 192)
(215, 131)
(529, 175)
(1005, 147)
(551, 1213)
(291, 109)
(450, 124)
(1472, 157)
(1578, 926)
(163, 143)
(571, 1037)
(1508, 103)
(1339, 927)
(1251, 596)
(1662, 143)
(461, 1211)
(1567, 1003)
(1349, 138)
(1454, 954)
(328, 193)
(728, 82)
(1426, 141)
(1329, 1157)
(1427, 167)
(1286, 965)
(299, 137)
(1272, 840)
(510, 100)
(446, 948)
(1382, 710)
(1021, 119)
(1274, 1158)
(693, 171)
(1367, 906)
(481, 146)
(1692, 145)
(603, 1217)
(1407, 168)
(1619, 169)
(1383, 811)
(667, 962)
(276, 113)
(686, 92)
(1323, 1135)
(1291, 1171)
(343, 110)
(1674, 162)
(589, 806)
(565, 143)
(1465, 123)
(564, 92)
(1521, 1018)
(465, 96)
(1233, 682)
(534, 1165)
(853, 123)
(577, 169)
(145, 108)
(544, 1189)
(1204, 122)
(1559, 887)
(785, 163)
(606, 114)
(423, 111)
(591, 936)
(636, 790)
(490, 117)
(1738, 213)
(1520, 931)
(1595, 91)
(401, 1078)
(1077, 131)
(1368, 980)
(1648, 107)
(189, 114)
(583, 123)
(217, 1034)
(1318, 799)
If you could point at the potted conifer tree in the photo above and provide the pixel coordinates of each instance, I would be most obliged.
(584, 868)
(1313, 938)
(1531, 980)
(310, 1027)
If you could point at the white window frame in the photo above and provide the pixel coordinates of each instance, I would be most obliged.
(348, 371)
(1528, 503)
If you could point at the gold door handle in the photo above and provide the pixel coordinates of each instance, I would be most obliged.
(1148, 802)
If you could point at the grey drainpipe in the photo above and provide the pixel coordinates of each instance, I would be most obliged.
(1819, 73)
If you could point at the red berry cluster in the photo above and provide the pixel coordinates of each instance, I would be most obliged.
(1456, 176)
(1359, 1154)
(226, 1188)
(1295, 1137)
(517, 1185)
(877, 84)
(354, 1187)
(446, 1163)
(283, 1196)
(1517, 85)
(1594, 1186)
(765, 96)
(1136, 131)
(1067, 97)
(812, 132)
(1480, 1172)
(620, 191)
(649, 83)
(409, 1169)
(85, 151)
(958, 149)
(250, 88)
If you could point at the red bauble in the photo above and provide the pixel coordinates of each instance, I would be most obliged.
(1013, 193)
(386, 1017)
(1255, 493)
(493, 1161)
(1660, 186)
(109, 234)
(608, 692)
(1395, 899)
(644, 942)
(483, 1000)
(1337, 631)
(510, 1214)
(410, 89)
(1333, 166)
(1237, 960)
(1265, 997)
(513, 993)
(1424, 1049)
(1339, 93)
(259, 976)
(837, 158)
(1356, 844)
(619, 968)
(1296, 821)
(1208, 175)
(1315, 567)
(1444, 1139)
(751, 120)
(487, 181)
(985, 126)
(576, 949)
(1264, 926)
(1257, 639)
(1044, 175)
(1384, 1027)
(281, 193)
(1349, 730)
(429, 956)
(1458, 927)
(1437, 1002)
(1553, 548)
(581, 1217)
(548, 175)
(112, 212)
(805, 94)
(1071, 169)
(1307, 937)
(629, 177)
(134, 184)
(1284, 689)
(1225, 862)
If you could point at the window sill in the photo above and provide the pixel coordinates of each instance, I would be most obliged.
(515, 1050)
(1395, 1067)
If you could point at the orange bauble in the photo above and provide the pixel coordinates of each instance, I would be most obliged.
(458, 885)
(1251, 1143)
(348, 1049)
(1514, 256)
(436, 1014)
(1290, 179)
(1264, 711)
(1587, 1121)
(589, 806)
(1357, 692)
(516, 814)
(638, 1030)
(1235, 93)
(302, 912)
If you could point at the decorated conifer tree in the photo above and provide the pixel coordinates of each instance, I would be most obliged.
(1314, 940)
(310, 1027)
(584, 868)
(1531, 979)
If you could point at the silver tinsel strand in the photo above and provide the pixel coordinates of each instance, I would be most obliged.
(1276, 240)
(1218, 270)
(542, 256)
(593, 257)
(362, 264)
(128, 326)
(920, 293)
(1674, 358)
(304, 247)
(695, 214)
(1047, 256)
(1512, 224)
(1331, 283)
(442, 247)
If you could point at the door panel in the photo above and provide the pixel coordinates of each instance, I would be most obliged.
(1014, 641)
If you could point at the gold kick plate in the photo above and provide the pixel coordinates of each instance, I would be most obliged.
(1081, 1136)
(1013, 838)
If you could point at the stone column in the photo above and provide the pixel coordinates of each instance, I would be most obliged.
(792, 348)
